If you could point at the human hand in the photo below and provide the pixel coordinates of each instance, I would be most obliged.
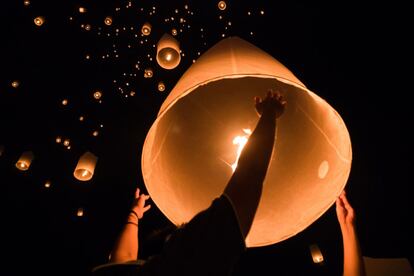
(273, 103)
(344, 211)
(138, 206)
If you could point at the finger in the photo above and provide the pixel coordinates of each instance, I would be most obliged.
(345, 200)
(269, 93)
(146, 208)
(137, 193)
(339, 203)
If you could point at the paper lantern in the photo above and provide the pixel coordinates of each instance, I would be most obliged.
(161, 86)
(97, 95)
(316, 253)
(48, 183)
(66, 142)
(189, 150)
(79, 213)
(222, 5)
(86, 166)
(146, 28)
(168, 52)
(39, 20)
(15, 84)
(26, 2)
(148, 73)
(24, 161)
(108, 20)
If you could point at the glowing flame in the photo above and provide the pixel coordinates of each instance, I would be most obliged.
(241, 142)
(84, 173)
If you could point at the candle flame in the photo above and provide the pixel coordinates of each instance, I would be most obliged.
(241, 142)
(84, 173)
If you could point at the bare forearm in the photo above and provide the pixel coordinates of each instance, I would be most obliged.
(126, 247)
(353, 262)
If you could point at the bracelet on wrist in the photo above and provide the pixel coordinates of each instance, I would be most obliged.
(131, 222)
(135, 213)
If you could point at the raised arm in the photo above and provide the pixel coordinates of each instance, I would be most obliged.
(353, 262)
(126, 246)
(245, 186)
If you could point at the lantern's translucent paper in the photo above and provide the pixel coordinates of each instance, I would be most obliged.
(188, 152)
(86, 166)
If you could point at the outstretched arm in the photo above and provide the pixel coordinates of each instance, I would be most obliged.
(353, 262)
(126, 247)
(245, 186)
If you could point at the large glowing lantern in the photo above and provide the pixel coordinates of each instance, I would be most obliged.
(168, 52)
(190, 150)
(86, 166)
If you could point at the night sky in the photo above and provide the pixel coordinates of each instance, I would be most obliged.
(355, 57)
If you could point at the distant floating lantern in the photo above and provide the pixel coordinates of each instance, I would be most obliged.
(64, 102)
(148, 73)
(168, 52)
(146, 28)
(108, 21)
(86, 166)
(81, 118)
(58, 139)
(24, 161)
(66, 142)
(132, 93)
(82, 9)
(186, 162)
(39, 21)
(222, 5)
(174, 32)
(88, 27)
(26, 2)
(95, 133)
(15, 84)
(316, 253)
(48, 183)
(97, 95)
(79, 213)
(161, 86)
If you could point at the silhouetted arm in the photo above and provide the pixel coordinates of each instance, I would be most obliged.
(353, 262)
(126, 246)
(245, 186)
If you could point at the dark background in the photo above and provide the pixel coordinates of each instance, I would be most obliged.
(356, 57)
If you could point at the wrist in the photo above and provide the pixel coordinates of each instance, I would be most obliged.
(133, 217)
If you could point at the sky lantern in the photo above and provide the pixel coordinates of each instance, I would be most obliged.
(161, 86)
(39, 21)
(146, 28)
(15, 84)
(86, 166)
(148, 73)
(222, 5)
(108, 21)
(168, 52)
(316, 253)
(191, 149)
(24, 161)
